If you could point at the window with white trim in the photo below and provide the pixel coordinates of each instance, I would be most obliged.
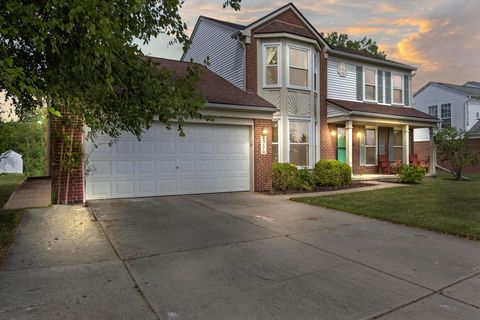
(370, 146)
(370, 80)
(446, 115)
(298, 65)
(433, 111)
(299, 142)
(397, 89)
(275, 150)
(271, 65)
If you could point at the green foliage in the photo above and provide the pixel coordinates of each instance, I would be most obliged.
(81, 55)
(454, 150)
(28, 139)
(332, 173)
(285, 177)
(410, 174)
(365, 45)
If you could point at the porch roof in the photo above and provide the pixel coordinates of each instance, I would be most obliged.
(377, 110)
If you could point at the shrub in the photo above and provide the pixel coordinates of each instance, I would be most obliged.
(307, 179)
(410, 174)
(285, 177)
(332, 173)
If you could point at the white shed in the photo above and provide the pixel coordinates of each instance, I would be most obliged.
(11, 162)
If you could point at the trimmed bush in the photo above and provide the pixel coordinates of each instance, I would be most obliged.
(332, 173)
(285, 177)
(410, 174)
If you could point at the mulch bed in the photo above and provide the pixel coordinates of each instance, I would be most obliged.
(352, 185)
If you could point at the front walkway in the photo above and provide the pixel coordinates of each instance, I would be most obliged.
(232, 256)
(32, 193)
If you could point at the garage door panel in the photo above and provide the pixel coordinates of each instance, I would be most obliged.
(166, 148)
(211, 158)
(146, 167)
(101, 168)
(147, 187)
(124, 147)
(123, 187)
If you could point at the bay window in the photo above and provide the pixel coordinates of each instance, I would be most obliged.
(370, 84)
(397, 87)
(299, 142)
(298, 66)
(271, 65)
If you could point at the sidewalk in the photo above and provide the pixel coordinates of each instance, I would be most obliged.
(32, 193)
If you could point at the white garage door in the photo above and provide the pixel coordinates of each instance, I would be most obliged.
(210, 158)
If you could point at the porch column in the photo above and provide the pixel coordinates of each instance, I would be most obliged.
(349, 143)
(433, 154)
(406, 144)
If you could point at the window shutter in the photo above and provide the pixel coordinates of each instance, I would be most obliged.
(359, 83)
(406, 90)
(388, 87)
(380, 86)
(363, 150)
(391, 155)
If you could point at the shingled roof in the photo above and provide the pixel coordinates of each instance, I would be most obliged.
(216, 89)
(381, 109)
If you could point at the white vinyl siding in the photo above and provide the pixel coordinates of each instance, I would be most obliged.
(345, 88)
(225, 53)
(434, 95)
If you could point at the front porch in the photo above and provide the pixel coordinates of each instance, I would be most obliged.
(374, 144)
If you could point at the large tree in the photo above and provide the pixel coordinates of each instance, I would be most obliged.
(364, 45)
(79, 56)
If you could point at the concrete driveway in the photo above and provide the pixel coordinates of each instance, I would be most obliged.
(233, 256)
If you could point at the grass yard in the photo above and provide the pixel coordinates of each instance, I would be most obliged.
(9, 219)
(440, 204)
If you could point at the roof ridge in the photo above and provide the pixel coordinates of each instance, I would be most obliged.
(227, 23)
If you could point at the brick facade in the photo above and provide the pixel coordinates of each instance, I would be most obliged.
(70, 127)
(262, 164)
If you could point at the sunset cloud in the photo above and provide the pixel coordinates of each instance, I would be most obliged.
(440, 37)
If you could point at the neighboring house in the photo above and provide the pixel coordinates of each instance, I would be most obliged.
(11, 162)
(454, 105)
(323, 103)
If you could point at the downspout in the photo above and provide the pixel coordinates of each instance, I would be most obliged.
(466, 113)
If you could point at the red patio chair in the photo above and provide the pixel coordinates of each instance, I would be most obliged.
(413, 160)
(384, 164)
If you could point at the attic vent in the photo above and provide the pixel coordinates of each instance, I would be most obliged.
(342, 70)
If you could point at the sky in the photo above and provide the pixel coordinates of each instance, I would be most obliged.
(440, 37)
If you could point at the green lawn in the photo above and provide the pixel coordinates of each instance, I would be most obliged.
(9, 219)
(439, 204)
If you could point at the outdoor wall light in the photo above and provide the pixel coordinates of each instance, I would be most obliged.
(263, 141)
(333, 133)
(359, 134)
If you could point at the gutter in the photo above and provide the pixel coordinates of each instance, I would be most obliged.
(392, 116)
(370, 59)
(236, 107)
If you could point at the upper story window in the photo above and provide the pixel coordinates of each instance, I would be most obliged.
(298, 66)
(433, 111)
(397, 87)
(370, 84)
(446, 115)
(271, 65)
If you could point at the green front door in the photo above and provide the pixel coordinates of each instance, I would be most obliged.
(341, 145)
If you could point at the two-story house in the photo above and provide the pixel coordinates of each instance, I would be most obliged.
(454, 105)
(278, 93)
(332, 103)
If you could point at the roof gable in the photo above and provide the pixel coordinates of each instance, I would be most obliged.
(288, 14)
(459, 89)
